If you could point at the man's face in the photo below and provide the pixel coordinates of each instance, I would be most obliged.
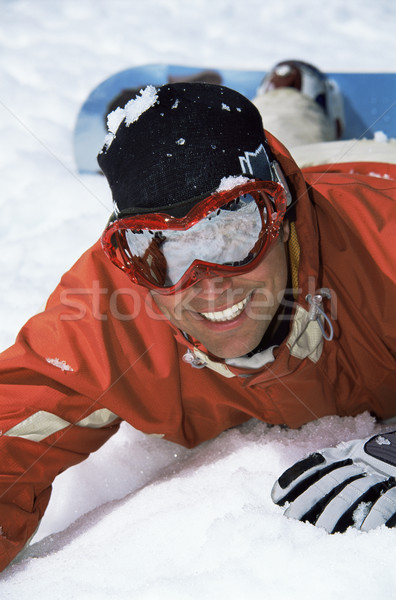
(229, 315)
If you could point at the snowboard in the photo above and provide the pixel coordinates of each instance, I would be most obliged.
(369, 101)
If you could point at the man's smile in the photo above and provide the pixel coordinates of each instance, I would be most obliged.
(228, 314)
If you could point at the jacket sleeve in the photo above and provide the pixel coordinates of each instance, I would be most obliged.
(52, 381)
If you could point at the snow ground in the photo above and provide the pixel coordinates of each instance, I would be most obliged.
(163, 522)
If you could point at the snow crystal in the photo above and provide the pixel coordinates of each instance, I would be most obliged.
(380, 136)
(225, 107)
(176, 104)
(131, 112)
(379, 175)
(107, 141)
(181, 141)
(360, 513)
(137, 106)
(114, 119)
(60, 364)
(381, 441)
(229, 183)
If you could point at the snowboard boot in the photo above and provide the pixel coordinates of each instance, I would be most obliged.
(311, 82)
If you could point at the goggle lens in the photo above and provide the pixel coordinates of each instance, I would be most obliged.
(223, 235)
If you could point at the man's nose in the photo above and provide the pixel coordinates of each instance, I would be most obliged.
(212, 287)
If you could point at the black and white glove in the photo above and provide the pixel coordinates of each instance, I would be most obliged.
(353, 484)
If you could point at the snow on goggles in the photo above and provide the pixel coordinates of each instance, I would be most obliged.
(224, 235)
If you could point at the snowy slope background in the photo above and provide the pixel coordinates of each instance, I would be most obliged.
(144, 518)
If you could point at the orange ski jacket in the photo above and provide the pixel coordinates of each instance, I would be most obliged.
(101, 352)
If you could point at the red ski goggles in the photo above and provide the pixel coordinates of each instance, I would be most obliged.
(224, 235)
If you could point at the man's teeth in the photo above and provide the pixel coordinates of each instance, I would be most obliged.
(228, 314)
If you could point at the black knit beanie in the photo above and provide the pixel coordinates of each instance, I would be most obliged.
(174, 144)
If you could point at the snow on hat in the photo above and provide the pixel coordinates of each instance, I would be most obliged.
(170, 147)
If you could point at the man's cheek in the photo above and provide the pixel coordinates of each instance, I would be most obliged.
(262, 305)
(181, 306)
(171, 306)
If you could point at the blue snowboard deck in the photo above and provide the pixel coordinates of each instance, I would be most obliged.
(369, 101)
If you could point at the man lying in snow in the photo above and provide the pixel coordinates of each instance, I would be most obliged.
(238, 286)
